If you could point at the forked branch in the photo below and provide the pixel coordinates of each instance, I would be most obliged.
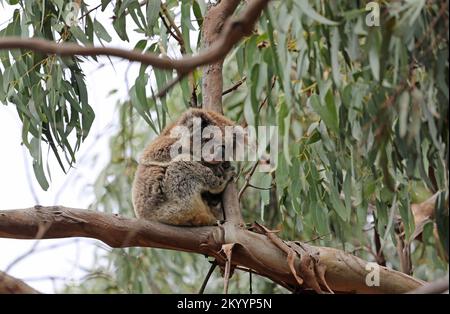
(344, 272)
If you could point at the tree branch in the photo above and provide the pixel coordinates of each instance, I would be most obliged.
(344, 272)
(235, 86)
(116, 231)
(233, 32)
(11, 285)
(213, 23)
(178, 36)
(438, 286)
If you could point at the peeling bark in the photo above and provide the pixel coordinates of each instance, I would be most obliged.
(344, 272)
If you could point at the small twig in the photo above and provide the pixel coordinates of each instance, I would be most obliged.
(379, 252)
(90, 11)
(179, 35)
(169, 86)
(45, 278)
(193, 102)
(442, 11)
(260, 188)
(208, 275)
(274, 79)
(39, 234)
(169, 30)
(317, 237)
(235, 86)
(265, 100)
(248, 177)
(364, 248)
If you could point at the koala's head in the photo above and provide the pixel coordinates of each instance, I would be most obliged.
(207, 133)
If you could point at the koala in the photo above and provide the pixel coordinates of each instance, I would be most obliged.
(181, 191)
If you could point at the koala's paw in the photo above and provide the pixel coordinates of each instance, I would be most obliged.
(220, 222)
(230, 174)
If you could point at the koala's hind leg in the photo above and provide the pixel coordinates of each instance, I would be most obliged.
(184, 184)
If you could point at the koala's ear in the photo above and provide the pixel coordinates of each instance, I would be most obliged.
(187, 119)
(206, 120)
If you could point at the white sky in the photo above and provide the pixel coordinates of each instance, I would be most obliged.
(64, 261)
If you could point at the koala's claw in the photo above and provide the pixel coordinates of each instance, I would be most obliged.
(220, 222)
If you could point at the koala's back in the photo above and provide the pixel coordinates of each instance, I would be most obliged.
(147, 191)
(171, 194)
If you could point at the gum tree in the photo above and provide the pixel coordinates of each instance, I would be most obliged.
(360, 97)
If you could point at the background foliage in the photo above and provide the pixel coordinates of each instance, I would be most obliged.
(362, 114)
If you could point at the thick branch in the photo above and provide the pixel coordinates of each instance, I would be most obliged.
(212, 81)
(11, 285)
(214, 26)
(116, 231)
(231, 205)
(438, 286)
(344, 272)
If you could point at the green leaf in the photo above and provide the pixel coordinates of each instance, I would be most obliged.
(336, 203)
(197, 13)
(442, 219)
(152, 12)
(123, 6)
(101, 32)
(141, 82)
(36, 152)
(89, 30)
(87, 113)
(273, 49)
(335, 42)
(281, 174)
(186, 25)
(120, 26)
(79, 35)
(348, 192)
(405, 213)
(295, 187)
(403, 114)
(314, 137)
(311, 13)
(140, 102)
(327, 113)
(374, 57)
(105, 4)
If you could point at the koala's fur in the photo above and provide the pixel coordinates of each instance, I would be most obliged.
(177, 192)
